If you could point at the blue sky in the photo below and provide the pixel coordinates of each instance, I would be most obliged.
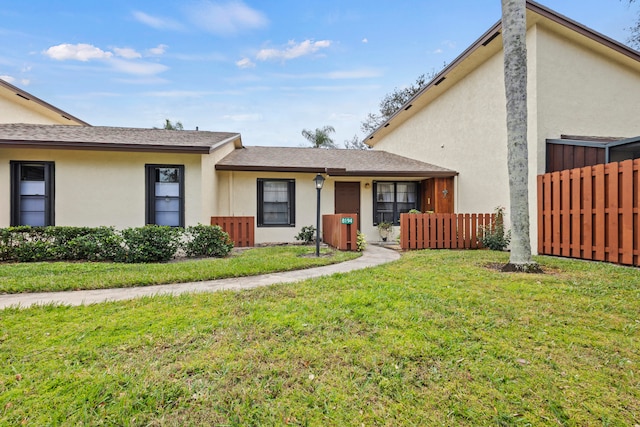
(267, 69)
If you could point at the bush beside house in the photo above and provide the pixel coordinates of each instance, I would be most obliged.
(151, 243)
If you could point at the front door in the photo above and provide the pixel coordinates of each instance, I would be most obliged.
(347, 198)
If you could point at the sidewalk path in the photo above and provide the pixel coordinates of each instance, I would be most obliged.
(372, 256)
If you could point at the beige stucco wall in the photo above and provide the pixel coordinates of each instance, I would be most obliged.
(95, 188)
(16, 110)
(238, 196)
(464, 130)
(582, 92)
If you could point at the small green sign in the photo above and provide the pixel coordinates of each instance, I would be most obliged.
(347, 220)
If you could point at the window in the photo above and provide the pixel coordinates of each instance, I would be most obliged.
(32, 191)
(165, 195)
(276, 203)
(392, 199)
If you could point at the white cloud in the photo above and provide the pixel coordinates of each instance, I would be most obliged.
(365, 40)
(137, 67)
(25, 82)
(79, 52)
(226, 18)
(126, 52)
(158, 50)
(293, 50)
(437, 51)
(245, 63)
(8, 79)
(85, 52)
(157, 23)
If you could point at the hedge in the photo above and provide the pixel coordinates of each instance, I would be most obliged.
(151, 243)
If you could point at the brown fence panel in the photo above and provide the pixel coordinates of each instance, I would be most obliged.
(591, 213)
(240, 229)
(442, 230)
(340, 231)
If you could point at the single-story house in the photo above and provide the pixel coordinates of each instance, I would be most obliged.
(580, 82)
(123, 177)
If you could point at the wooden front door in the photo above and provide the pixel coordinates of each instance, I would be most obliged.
(347, 198)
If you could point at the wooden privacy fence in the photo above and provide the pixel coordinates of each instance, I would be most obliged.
(591, 212)
(442, 230)
(239, 228)
(340, 231)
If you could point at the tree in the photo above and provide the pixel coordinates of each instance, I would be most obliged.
(355, 143)
(320, 137)
(634, 39)
(391, 103)
(514, 32)
(170, 126)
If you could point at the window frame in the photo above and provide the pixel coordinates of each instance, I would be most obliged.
(395, 213)
(291, 194)
(49, 190)
(150, 195)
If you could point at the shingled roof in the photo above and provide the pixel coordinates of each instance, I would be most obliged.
(335, 162)
(112, 138)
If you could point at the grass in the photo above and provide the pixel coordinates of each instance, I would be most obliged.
(436, 338)
(66, 276)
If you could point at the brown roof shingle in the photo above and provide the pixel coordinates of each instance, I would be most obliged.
(110, 138)
(336, 162)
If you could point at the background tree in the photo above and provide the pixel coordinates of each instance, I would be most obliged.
(171, 126)
(393, 101)
(514, 32)
(320, 137)
(355, 143)
(634, 39)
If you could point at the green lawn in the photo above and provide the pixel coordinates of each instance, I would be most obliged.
(436, 338)
(66, 276)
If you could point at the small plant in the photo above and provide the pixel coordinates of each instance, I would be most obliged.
(385, 229)
(307, 234)
(361, 241)
(414, 211)
(494, 236)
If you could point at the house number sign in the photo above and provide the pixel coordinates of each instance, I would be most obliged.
(347, 220)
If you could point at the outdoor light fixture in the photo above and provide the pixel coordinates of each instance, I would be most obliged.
(319, 179)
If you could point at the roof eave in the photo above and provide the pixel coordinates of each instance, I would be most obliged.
(29, 97)
(94, 146)
(336, 172)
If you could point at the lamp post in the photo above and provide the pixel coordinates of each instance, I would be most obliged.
(319, 179)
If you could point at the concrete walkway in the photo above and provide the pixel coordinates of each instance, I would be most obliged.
(372, 256)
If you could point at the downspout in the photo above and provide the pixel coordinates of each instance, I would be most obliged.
(231, 210)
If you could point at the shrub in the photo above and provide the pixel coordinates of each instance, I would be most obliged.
(151, 243)
(361, 241)
(307, 234)
(494, 236)
(207, 241)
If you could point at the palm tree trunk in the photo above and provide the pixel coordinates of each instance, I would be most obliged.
(514, 29)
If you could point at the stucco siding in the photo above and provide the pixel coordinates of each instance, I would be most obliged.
(95, 188)
(463, 130)
(238, 196)
(19, 111)
(583, 92)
